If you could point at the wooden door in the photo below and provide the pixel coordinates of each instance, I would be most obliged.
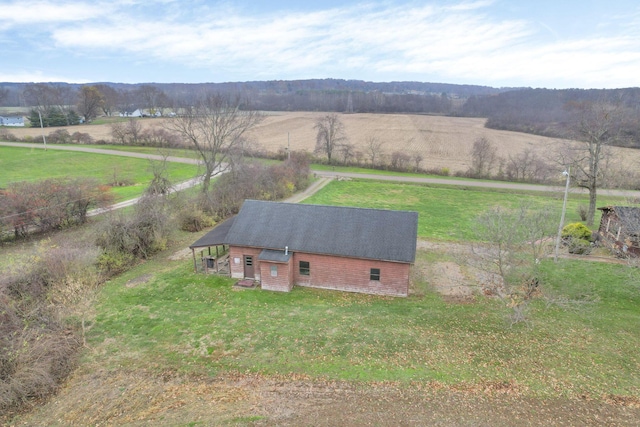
(248, 267)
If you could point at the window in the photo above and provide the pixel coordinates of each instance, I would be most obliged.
(274, 271)
(304, 268)
(374, 274)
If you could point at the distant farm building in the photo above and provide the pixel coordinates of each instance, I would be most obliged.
(17, 121)
(138, 112)
(350, 249)
(620, 229)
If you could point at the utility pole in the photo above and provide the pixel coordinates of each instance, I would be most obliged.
(42, 129)
(564, 209)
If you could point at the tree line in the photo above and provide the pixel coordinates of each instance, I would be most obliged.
(544, 112)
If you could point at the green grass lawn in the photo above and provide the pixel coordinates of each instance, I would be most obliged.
(177, 152)
(178, 320)
(25, 164)
(445, 213)
(192, 323)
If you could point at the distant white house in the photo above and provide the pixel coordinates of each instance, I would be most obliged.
(138, 112)
(135, 113)
(17, 121)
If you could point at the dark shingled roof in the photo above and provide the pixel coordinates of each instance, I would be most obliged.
(332, 230)
(273, 255)
(217, 236)
(629, 217)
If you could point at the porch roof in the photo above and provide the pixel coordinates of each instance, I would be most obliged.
(215, 237)
(274, 255)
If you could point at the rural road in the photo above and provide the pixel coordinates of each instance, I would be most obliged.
(332, 175)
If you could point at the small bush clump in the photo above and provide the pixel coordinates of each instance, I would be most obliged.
(38, 346)
(577, 237)
(583, 210)
(193, 219)
(576, 230)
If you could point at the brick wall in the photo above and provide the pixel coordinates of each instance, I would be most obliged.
(352, 274)
(326, 272)
(282, 282)
(238, 253)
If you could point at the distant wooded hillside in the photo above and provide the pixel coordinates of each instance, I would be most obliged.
(552, 112)
(545, 112)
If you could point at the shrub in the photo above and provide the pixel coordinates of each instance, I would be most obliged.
(49, 204)
(577, 237)
(579, 246)
(37, 347)
(59, 136)
(583, 210)
(81, 138)
(141, 234)
(5, 135)
(576, 230)
(111, 263)
(192, 219)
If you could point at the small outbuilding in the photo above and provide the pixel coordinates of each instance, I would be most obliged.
(350, 249)
(620, 229)
(16, 121)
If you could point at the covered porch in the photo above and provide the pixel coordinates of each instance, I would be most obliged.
(210, 252)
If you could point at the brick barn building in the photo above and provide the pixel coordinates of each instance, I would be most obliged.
(342, 248)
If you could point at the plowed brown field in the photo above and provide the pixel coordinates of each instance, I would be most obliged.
(444, 142)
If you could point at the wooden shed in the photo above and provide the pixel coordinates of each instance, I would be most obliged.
(620, 229)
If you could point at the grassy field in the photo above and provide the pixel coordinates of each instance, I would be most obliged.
(163, 316)
(167, 345)
(446, 213)
(190, 323)
(23, 164)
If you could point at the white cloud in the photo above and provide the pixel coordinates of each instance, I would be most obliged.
(450, 42)
(38, 12)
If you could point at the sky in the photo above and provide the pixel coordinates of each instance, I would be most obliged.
(500, 43)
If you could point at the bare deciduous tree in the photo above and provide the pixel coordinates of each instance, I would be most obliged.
(216, 127)
(109, 98)
(347, 151)
(399, 160)
(330, 135)
(595, 127)
(374, 149)
(417, 158)
(515, 242)
(46, 98)
(152, 98)
(90, 102)
(127, 133)
(483, 157)
(160, 184)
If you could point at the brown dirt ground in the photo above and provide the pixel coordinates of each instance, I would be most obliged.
(140, 398)
(444, 142)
